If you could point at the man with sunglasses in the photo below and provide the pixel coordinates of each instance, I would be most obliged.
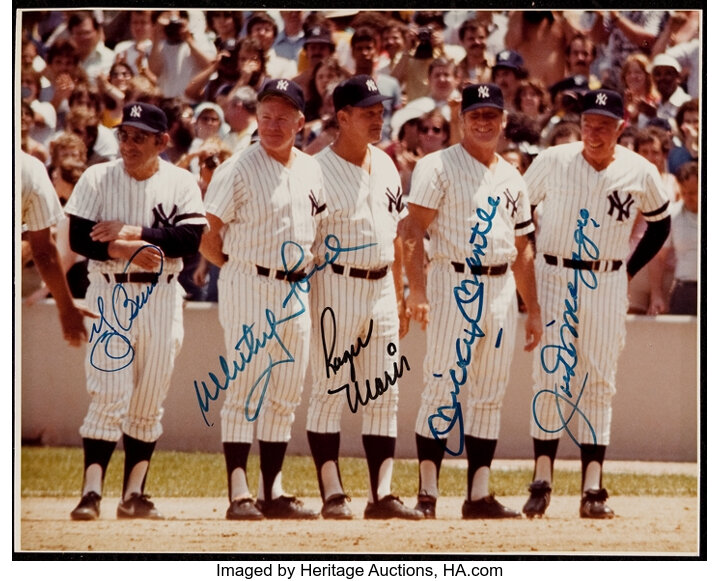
(134, 218)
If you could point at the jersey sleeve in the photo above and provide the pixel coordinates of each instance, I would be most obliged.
(40, 205)
(654, 203)
(428, 184)
(535, 178)
(85, 200)
(220, 198)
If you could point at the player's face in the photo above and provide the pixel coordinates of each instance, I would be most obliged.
(138, 149)
(599, 136)
(482, 127)
(278, 124)
(365, 123)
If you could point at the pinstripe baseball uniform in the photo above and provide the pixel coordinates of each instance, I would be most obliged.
(363, 210)
(40, 205)
(588, 216)
(462, 189)
(264, 205)
(128, 389)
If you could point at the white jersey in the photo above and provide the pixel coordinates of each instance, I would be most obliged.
(363, 208)
(170, 197)
(40, 205)
(264, 205)
(566, 183)
(458, 186)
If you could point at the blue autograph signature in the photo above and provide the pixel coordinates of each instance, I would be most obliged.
(249, 346)
(468, 294)
(116, 347)
(564, 356)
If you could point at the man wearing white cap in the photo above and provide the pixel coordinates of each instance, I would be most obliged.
(665, 72)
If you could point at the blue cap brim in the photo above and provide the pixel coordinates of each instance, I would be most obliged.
(283, 94)
(603, 112)
(141, 126)
(482, 105)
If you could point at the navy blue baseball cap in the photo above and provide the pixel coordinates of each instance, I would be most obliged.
(604, 102)
(145, 117)
(318, 35)
(357, 91)
(286, 88)
(482, 95)
(509, 59)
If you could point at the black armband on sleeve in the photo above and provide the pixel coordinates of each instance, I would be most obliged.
(175, 241)
(81, 242)
(649, 245)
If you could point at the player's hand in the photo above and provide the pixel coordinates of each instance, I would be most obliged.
(417, 308)
(73, 326)
(110, 230)
(533, 329)
(657, 305)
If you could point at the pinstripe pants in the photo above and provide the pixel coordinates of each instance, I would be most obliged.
(129, 399)
(491, 355)
(586, 407)
(269, 343)
(355, 303)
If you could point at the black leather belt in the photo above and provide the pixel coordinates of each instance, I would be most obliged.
(596, 265)
(496, 270)
(295, 276)
(360, 272)
(142, 277)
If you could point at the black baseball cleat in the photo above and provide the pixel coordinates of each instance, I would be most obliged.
(88, 508)
(539, 498)
(487, 507)
(336, 507)
(285, 507)
(391, 507)
(243, 509)
(138, 506)
(426, 504)
(593, 504)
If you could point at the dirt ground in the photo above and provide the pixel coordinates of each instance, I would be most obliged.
(657, 525)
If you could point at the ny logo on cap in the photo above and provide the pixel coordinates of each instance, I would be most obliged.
(136, 111)
(503, 56)
(601, 99)
(282, 85)
(483, 92)
(371, 86)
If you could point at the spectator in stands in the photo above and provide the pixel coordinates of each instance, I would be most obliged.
(220, 76)
(580, 54)
(566, 131)
(641, 96)
(239, 109)
(64, 146)
(83, 122)
(290, 40)
(86, 33)
(476, 66)
(325, 77)
(251, 62)
(542, 37)
(687, 121)
(394, 43)
(262, 27)
(532, 99)
(63, 72)
(507, 72)
(318, 46)
(680, 249)
(225, 27)
(177, 56)
(27, 143)
(135, 52)
(180, 127)
(665, 72)
(44, 115)
(114, 89)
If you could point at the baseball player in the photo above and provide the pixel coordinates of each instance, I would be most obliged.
(262, 205)
(356, 328)
(592, 191)
(474, 206)
(41, 209)
(134, 218)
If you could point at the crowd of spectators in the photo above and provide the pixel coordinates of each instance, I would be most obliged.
(204, 69)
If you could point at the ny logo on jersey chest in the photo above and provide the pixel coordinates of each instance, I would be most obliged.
(510, 202)
(394, 200)
(316, 206)
(161, 219)
(622, 207)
